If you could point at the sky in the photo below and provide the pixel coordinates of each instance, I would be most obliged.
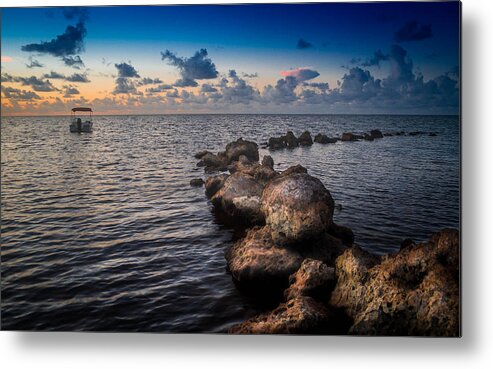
(354, 58)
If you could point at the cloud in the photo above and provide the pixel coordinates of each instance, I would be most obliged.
(250, 75)
(282, 92)
(7, 78)
(69, 91)
(355, 61)
(301, 74)
(124, 86)
(303, 44)
(319, 85)
(36, 83)
(73, 61)
(236, 90)
(70, 42)
(54, 75)
(197, 67)
(375, 60)
(33, 63)
(75, 12)
(126, 71)
(78, 77)
(158, 89)
(16, 94)
(6, 59)
(208, 88)
(413, 31)
(149, 81)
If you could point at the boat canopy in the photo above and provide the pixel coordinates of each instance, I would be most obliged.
(81, 109)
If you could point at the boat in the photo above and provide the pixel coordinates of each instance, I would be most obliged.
(82, 123)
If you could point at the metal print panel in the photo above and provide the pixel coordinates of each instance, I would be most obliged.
(245, 169)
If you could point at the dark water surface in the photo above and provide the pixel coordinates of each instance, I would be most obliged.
(102, 231)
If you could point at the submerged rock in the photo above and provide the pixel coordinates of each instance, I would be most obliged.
(197, 182)
(213, 162)
(413, 292)
(276, 143)
(301, 315)
(368, 137)
(201, 154)
(348, 136)
(239, 197)
(324, 139)
(305, 139)
(297, 207)
(376, 133)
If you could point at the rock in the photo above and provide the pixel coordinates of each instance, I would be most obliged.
(290, 140)
(388, 134)
(301, 315)
(432, 134)
(242, 147)
(305, 139)
(201, 154)
(257, 261)
(324, 139)
(214, 162)
(297, 207)
(415, 133)
(376, 133)
(197, 182)
(259, 172)
(276, 143)
(214, 184)
(348, 136)
(239, 197)
(400, 133)
(314, 279)
(368, 137)
(294, 169)
(407, 243)
(413, 292)
(268, 161)
(345, 234)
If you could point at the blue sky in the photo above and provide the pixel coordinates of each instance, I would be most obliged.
(375, 58)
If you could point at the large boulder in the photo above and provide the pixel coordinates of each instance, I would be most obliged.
(301, 315)
(239, 197)
(305, 139)
(259, 172)
(242, 147)
(268, 161)
(214, 184)
(276, 143)
(297, 207)
(196, 182)
(348, 136)
(213, 162)
(376, 133)
(324, 139)
(413, 292)
(290, 140)
(257, 261)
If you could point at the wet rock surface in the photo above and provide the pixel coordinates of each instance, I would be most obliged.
(413, 292)
(196, 182)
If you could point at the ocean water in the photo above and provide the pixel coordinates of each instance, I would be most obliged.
(102, 232)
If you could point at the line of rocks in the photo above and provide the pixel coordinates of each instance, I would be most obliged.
(289, 140)
(330, 285)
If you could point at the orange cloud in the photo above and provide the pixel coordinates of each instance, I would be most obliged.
(7, 59)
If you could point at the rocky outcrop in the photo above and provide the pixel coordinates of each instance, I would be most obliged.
(239, 197)
(314, 278)
(261, 173)
(348, 136)
(297, 207)
(213, 162)
(214, 184)
(242, 147)
(300, 315)
(267, 161)
(305, 139)
(291, 140)
(376, 133)
(324, 139)
(413, 292)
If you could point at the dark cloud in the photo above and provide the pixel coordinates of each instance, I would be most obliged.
(355, 61)
(319, 85)
(207, 88)
(73, 61)
(16, 94)
(124, 86)
(69, 91)
(70, 42)
(303, 44)
(149, 81)
(375, 60)
(75, 12)
(158, 89)
(54, 75)
(250, 75)
(78, 77)
(126, 71)
(197, 67)
(36, 83)
(7, 78)
(282, 92)
(33, 63)
(413, 31)
(236, 90)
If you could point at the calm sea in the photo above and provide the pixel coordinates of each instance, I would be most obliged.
(102, 231)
